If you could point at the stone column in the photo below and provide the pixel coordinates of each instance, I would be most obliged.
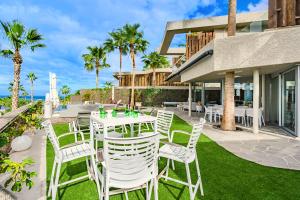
(255, 100)
(222, 91)
(190, 99)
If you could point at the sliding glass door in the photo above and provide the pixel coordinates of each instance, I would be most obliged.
(289, 100)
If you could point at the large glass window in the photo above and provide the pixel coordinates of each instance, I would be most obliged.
(289, 100)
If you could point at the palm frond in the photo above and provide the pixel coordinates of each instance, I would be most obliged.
(5, 26)
(31, 76)
(33, 47)
(7, 53)
(17, 28)
(33, 36)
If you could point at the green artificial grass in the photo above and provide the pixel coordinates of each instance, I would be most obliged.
(224, 175)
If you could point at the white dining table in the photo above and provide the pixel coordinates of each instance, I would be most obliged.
(121, 119)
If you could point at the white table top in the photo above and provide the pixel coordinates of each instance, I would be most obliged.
(122, 120)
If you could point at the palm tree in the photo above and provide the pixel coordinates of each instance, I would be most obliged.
(154, 61)
(228, 120)
(21, 89)
(117, 41)
(136, 44)
(95, 60)
(19, 38)
(24, 93)
(108, 85)
(31, 77)
(65, 90)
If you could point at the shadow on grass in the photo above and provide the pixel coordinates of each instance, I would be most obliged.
(168, 186)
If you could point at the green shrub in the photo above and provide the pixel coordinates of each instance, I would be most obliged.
(18, 175)
(86, 97)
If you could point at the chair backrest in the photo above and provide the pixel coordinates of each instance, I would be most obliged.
(208, 109)
(131, 162)
(164, 121)
(218, 110)
(195, 135)
(239, 112)
(52, 136)
(249, 112)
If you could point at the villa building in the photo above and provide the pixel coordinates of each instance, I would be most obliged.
(144, 80)
(264, 55)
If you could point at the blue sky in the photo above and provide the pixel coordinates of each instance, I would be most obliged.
(69, 26)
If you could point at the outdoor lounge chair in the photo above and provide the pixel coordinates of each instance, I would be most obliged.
(185, 155)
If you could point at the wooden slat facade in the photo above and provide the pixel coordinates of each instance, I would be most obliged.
(284, 13)
(196, 41)
(145, 80)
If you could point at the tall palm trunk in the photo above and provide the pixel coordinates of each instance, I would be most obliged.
(154, 77)
(120, 79)
(132, 55)
(228, 121)
(31, 91)
(97, 74)
(17, 59)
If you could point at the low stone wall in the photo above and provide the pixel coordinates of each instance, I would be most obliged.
(149, 97)
(156, 97)
(101, 96)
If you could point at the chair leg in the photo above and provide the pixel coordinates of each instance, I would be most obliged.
(199, 177)
(107, 191)
(155, 189)
(149, 190)
(96, 174)
(88, 168)
(126, 195)
(189, 180)
(51, 179)
(102, 184)
(167, 171)
(96, 148)
(55, 186)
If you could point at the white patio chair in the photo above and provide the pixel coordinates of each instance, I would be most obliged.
(164, 123)
(198, 109)
(240, 113)
(66, 154)
(249, 114)
(185, 155)
(218, 114)
(209, 113)
(130, 163)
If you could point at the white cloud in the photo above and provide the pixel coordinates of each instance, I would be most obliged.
(69, 26)
(262, 5)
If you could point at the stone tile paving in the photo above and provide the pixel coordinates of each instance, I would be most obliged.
(38, 154)
(264, 149)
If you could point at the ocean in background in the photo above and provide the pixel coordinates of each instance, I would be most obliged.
(27, 97)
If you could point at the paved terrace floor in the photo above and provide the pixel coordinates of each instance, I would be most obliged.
(37, 153)
(264, 149)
